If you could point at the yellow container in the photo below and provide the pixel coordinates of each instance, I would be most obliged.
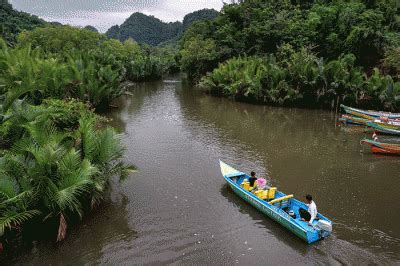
(261, 194)
(271, 193)
(245, 185)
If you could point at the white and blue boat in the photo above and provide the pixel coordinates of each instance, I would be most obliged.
(282, 208)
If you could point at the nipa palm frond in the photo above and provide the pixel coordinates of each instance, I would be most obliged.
(10, 219)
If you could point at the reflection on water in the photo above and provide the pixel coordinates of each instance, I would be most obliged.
(99, 235)
(178, 209)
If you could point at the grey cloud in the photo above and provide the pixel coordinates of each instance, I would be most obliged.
(42, 7)
(104, 13)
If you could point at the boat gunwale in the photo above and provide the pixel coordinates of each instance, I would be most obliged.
(382, 129)
(385, 148)
(377, 143)
(271, 207)
(370, 113)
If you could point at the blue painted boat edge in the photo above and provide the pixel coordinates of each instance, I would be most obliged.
(305, 234)
(382, 129)
(308, 236)
(371, 113)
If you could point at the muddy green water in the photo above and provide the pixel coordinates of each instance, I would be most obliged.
(177, 209)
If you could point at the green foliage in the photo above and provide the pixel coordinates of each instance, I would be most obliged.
(91, 28)
(301, 79)
(145, 29)
(61, 40)
(392, 61)
(143, 68)
(13, 22)
(199, 15)
(198, 56)
(65, 62)
(115, 61)
(332, 28)
(319, 50)
(28, 73)
(56, 157)
(152, 31)
(169, 55)
(56, 172)
(65, 114)
(92, 82)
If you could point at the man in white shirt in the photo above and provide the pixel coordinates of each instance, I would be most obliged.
(310, 215)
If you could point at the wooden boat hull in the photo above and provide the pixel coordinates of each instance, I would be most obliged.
(369, 114)
(388, 125)
(382, 148)
(378, 127)
(351, 119)
(300, 229)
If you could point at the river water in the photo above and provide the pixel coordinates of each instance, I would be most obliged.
(177, 208)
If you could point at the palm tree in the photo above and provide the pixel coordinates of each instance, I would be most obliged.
(57, 174)
(103, 148)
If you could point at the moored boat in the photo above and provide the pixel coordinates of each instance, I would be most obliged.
(383, 129)
(351, 119)
(382, 123)
(369, 114)
(390, 124)
(282, 208)
(383, 148)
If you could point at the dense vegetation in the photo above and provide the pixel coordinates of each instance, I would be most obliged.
(299, 52)
(128, 61)
(91, 28)
(58, 167)
(56, 156)
(152, 31)
(13, 22)
(145, 29)
(302, 79)
(199, 15)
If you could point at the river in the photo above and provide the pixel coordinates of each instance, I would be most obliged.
(177, 208)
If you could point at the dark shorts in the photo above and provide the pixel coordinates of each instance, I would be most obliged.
(305, 214)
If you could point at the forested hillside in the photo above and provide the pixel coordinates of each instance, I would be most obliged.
(145, 29)
(91, 28)
(12, 22)
(299, 52)
(200, 15)
(152, 31)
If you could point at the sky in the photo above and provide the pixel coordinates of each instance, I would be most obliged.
(103, 14)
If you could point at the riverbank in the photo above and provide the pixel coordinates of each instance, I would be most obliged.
(302, 80)
(299, 54)
(57, 155)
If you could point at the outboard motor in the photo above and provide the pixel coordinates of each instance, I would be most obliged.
(325, 228)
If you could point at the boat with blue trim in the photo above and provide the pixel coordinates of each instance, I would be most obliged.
(384, 129)
(382, 147)
(278, 206)
(351, 119)
(369, 114)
